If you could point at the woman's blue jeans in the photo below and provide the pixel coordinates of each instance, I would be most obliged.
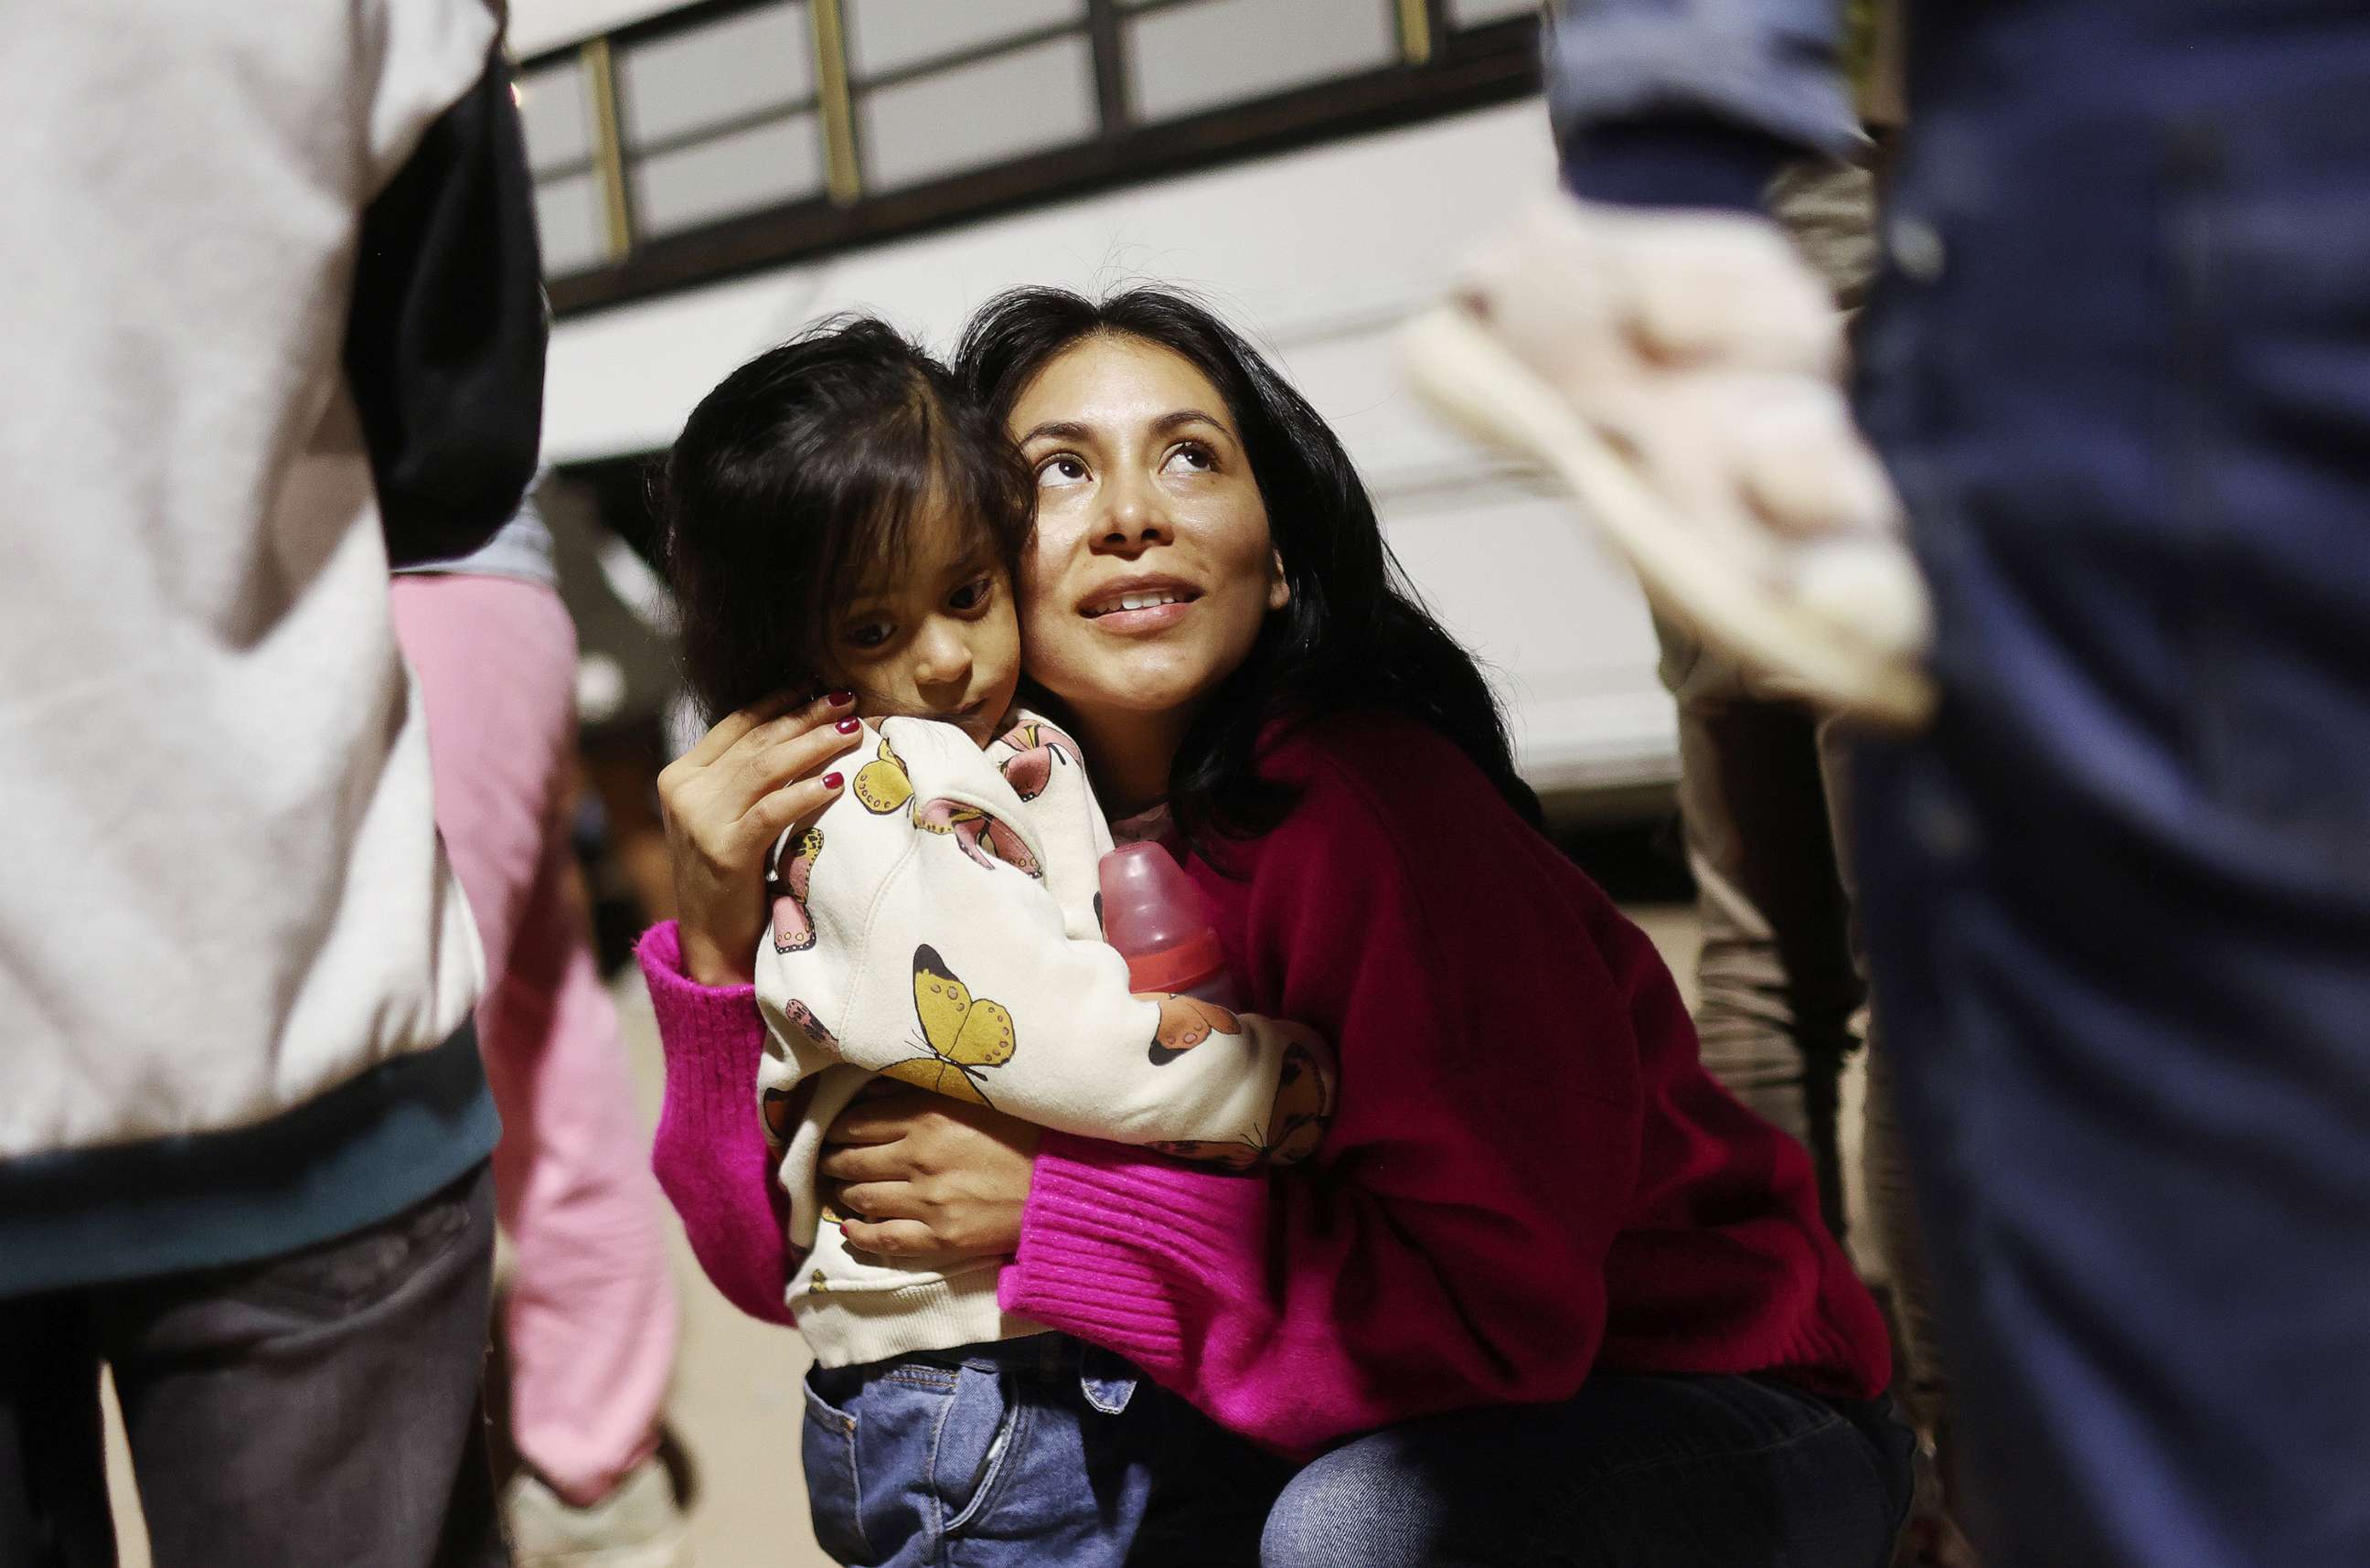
(1675, 1472)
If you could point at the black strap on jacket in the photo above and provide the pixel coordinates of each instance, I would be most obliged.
(446, 337)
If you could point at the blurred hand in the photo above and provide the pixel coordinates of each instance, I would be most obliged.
(1699, 345)
(724, 802)
(918, 1174)
(1701, 341)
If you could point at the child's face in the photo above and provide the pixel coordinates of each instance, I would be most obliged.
(940, 642)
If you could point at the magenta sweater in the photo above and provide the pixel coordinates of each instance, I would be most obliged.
(1529, 1175)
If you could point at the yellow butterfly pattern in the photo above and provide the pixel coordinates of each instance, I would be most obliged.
(964, 1034)
(885, 786)
(882, 784)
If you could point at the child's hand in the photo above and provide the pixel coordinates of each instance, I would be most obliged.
(725, 802)
(924, 1176)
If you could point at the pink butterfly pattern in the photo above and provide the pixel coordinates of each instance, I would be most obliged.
(799, 1013)
(1037, 749)
(793, 931)
(985, 838)
(1297, 1119)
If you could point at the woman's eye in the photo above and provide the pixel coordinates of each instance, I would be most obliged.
(972, 595)
(1194, 457)
(1062, 469)
(870, 634)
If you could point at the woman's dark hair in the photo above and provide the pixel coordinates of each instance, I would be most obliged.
(798, 479)
(1354, 636)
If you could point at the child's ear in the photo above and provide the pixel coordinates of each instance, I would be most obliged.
(1279, 591)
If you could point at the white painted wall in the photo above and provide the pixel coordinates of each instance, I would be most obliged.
(1317, 255)
(538, 24)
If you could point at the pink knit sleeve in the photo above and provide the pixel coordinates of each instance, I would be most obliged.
(1140, 1254)
(1167, 1264)
(710, 1153)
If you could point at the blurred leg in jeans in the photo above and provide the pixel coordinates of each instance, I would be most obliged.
(1657, 1472)
(591, 1322)
(2120, 893)
(323, 1406)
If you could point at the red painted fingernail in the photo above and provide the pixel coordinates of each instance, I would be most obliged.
(833, 780)
(847, 726)
(840, 698)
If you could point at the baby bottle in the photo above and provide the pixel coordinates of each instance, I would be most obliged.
(1153, 914)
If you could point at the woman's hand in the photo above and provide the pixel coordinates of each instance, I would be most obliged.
(919, 1174)
(725, 802)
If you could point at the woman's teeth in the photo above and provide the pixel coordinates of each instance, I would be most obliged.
(1139, 602)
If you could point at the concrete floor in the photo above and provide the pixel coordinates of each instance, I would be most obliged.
(736, 1403)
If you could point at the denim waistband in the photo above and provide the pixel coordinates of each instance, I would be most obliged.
(1108, 1380)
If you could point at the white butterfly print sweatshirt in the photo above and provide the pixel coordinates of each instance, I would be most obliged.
(940, 925)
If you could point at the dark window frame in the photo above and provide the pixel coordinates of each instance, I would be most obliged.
(1467, 68)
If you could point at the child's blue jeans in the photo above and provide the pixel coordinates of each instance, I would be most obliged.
(1029, 1451)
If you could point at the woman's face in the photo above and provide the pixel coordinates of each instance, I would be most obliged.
(1151, 568)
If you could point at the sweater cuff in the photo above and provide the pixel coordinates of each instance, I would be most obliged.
(1675, 162)
(719, 1011)
(709, 1151)
(1129, 1251)
(711, 1038)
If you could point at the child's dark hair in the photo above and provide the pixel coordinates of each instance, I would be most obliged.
(798, 479)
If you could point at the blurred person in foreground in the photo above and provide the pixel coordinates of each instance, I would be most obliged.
(1763, 799)
(589, 1317)
(2118, 895)
(271, 305)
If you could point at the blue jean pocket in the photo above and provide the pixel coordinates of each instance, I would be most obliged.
(982, 1430)
(901, 1456)
(835, 1487)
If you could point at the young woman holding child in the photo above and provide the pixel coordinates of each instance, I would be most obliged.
(1544, 1293)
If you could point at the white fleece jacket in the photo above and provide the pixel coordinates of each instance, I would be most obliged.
(224, 893)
